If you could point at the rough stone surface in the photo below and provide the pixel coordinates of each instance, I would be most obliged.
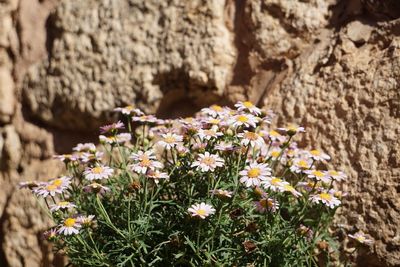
(330, 65)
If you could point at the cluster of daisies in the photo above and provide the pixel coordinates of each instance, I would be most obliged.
(265, 162)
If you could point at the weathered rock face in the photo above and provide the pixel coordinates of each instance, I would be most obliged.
(332, 66)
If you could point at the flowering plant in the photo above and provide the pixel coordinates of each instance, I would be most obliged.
(221, 189)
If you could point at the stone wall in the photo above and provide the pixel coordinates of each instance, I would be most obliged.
(330, 65)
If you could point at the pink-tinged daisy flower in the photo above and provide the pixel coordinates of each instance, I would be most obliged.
(292, 129)
(209, 134)
(254, 174)
(213, 121)
(98, 172)
(50, 235)
(129, 110)
(318, 175)
(246, 120)
(248, 106)
(96, 188)
(62, 205)
(288, 188)
(220, 193)
(337, 175)
(112, 128)
(116, 139)
(66, 158)
(326, 198)
(93, 157)
(201, 210)
(84, 147)
(85, 221)
(28, 184)
(170, 140)
(300, 165)
(310, 186)
(214, 111)
(157, 175)
(259, 192)
(56, 186)
(361, 238)
(70, 226)
(145, 119)
(318, 155)
(274, 153)
(254, 139)
(267, 205)
(275, 184)
(274, 136)
(208, 162)
(225, 146)
(305, 231)
(144, 161)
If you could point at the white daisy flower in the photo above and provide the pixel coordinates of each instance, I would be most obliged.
(145, 119)
(288, 188)
(246, 120)
(98, 173)
(208, 162)
(318, 175)
(129, 110)
(318, 155)
(144, 161)
(225, 146)
(116, 139)
(274, 136)
(361, 238)
(274, 153)
(254, 174)
(86, 157)
(69, 227)
(248, 106)
(300, 165)
(85, 221)
(56, 186)
(267, 204)
(292, 129)
(209, 134)
(337, 175)
(84, 147)
(170, 140)
(326, 198)
(275, 184)
(62, 205)
(201, 210)
(221, 193)
(157, 175)
(252, 138)
(214, 111)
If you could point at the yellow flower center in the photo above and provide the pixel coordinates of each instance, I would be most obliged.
(209, 132)
(288, 187)
(275, 154)
(215, 121)
(276, 181)
(318, 173)
(251, 136)
(63, 203)
(216, 108)
(129, 108)
(315, 152)
(274, 133)
(292, 127)
(145, 162)
(302, 164)
(97, 170)
(242, 118)
(69, 222)
(254, 172)
(201, 212)
(332, 172)
(248, 104)
(266, 203)
(57, 182)
(169, 139)
(208, 161)
(51, 187)
(325, 196)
